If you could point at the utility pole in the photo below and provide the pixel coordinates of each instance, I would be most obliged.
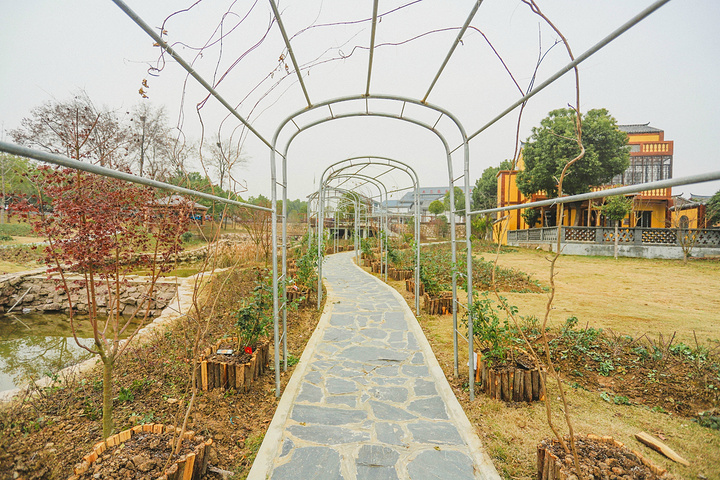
(142, 144)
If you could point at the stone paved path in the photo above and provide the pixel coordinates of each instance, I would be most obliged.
(368, 400)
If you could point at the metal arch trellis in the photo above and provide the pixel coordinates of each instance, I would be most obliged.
(466, 139)
(364, 162)
(356, 198)
(451, 181)
(59, 160)
(383, 215)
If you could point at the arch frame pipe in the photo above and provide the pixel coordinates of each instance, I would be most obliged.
(451, 182)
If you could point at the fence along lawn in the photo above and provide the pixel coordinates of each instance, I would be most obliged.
(629, 295)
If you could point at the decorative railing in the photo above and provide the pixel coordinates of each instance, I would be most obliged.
(657, 147)
(626, 236)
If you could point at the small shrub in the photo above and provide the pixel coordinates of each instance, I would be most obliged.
(254, 317)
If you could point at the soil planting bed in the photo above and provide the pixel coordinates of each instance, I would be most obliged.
(600, 458)
(145, 455)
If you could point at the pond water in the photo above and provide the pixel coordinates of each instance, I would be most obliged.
(37, 345)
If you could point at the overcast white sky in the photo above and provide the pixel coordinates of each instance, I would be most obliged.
(664, 71)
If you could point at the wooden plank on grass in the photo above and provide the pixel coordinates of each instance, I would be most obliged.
(659, 446)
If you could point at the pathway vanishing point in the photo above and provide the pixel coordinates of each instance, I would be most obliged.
(368, 400)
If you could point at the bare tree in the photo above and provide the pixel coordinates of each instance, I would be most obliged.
(77, 129)
(152, 144)
(225, 156)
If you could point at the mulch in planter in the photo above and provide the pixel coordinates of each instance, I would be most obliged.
(600, 458)
(237, 369)
(142, 452)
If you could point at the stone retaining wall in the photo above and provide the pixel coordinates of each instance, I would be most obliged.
(35, 292)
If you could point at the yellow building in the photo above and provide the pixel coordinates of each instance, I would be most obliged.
(651, 159)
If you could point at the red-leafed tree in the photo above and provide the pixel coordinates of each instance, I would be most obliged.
(101, 229)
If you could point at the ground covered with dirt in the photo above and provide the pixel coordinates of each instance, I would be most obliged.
(44, 435)
(659, 373)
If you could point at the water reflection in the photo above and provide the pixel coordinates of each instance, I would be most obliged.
(32, 346)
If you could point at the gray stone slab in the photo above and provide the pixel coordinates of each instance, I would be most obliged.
(328, 349)
(342, 320)
(328, 435)
(372, 355)
(336, 386)
(441, 465)
(390, 380)
(424, 387)
(321, 365)
(316, 463)
(375, 333)
(390, 433)
(418, 359)
(309, 393)
(415, 370)
(432, 407)
(341, 371)
(383, 411)
(392, 371)
(366, 472)
(377, 455)
(287, 445)
(435, 432)
(314, 377)
(412, 342)
(396, 336)
(314, 415)
(395, 321)
(337, 335)
(376, 462)
(347, 400)
(390, 394)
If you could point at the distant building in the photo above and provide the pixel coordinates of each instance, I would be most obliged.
(426, 195)
(651, 159)
(651, 156)
(690, 213)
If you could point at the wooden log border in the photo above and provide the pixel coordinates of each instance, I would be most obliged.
(191, 466)
(410, 287)
(438, 305)
(301, 292)
(212, 374)
(550, 467)
(400, 273)
(511, 384)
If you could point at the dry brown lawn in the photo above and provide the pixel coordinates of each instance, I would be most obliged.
(629, 295)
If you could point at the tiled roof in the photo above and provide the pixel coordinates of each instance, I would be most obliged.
(639, 128)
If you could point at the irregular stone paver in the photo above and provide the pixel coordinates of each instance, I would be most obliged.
(369, 401)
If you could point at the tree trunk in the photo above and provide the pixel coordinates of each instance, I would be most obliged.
(107, 397)
(617, 238)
